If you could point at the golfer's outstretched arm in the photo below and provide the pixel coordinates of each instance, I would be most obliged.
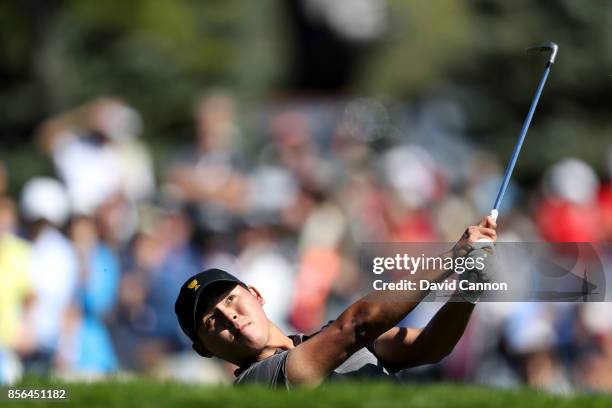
(402, 347)
(363, 322)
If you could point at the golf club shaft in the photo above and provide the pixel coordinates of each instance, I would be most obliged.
(519, 144)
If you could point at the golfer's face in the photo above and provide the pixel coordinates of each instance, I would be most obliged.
(234, 326)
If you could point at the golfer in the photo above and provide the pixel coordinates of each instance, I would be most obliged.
(224, 318)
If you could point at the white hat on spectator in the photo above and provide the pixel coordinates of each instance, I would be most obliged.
(573, 180)
(411, 171)
(271, 189)
(45, 198)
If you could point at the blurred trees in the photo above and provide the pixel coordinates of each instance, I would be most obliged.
(472, 53)
(159, 55)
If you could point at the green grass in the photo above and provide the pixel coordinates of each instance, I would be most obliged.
(139, 393)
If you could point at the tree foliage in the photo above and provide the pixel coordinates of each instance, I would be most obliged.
(159, 55)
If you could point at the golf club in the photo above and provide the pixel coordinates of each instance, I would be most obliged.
(552, 48)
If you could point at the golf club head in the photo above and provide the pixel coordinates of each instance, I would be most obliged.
(550, 47)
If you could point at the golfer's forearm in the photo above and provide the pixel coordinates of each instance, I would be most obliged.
(439, 337)
(379, 311)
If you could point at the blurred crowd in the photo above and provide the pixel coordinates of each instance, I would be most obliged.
(92, 257)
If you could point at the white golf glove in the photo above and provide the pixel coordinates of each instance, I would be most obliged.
(484, 250)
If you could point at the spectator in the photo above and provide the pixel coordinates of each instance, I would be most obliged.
(16, 292)
(162, 254)
(568, 211)
(85, 346)
(209, 175)
(54, 267)
(96, 154)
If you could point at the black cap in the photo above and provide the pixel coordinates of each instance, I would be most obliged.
(191, 295)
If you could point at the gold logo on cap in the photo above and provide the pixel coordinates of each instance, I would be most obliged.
(193, 285)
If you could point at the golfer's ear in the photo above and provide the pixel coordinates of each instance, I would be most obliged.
(201, 350)
(256, 293)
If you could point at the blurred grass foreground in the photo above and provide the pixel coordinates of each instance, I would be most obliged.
(147, 393)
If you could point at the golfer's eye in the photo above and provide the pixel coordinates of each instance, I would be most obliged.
(209, 322)
(229, 299)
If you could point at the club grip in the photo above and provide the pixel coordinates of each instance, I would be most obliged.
(494, 214)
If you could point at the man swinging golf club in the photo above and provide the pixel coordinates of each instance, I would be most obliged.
(224, 318)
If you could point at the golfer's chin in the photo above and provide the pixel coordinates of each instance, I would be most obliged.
(252, 337)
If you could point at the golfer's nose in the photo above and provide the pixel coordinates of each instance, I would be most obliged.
(231, 317)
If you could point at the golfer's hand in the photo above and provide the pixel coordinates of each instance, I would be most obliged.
(477, 242)
(485, 230)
